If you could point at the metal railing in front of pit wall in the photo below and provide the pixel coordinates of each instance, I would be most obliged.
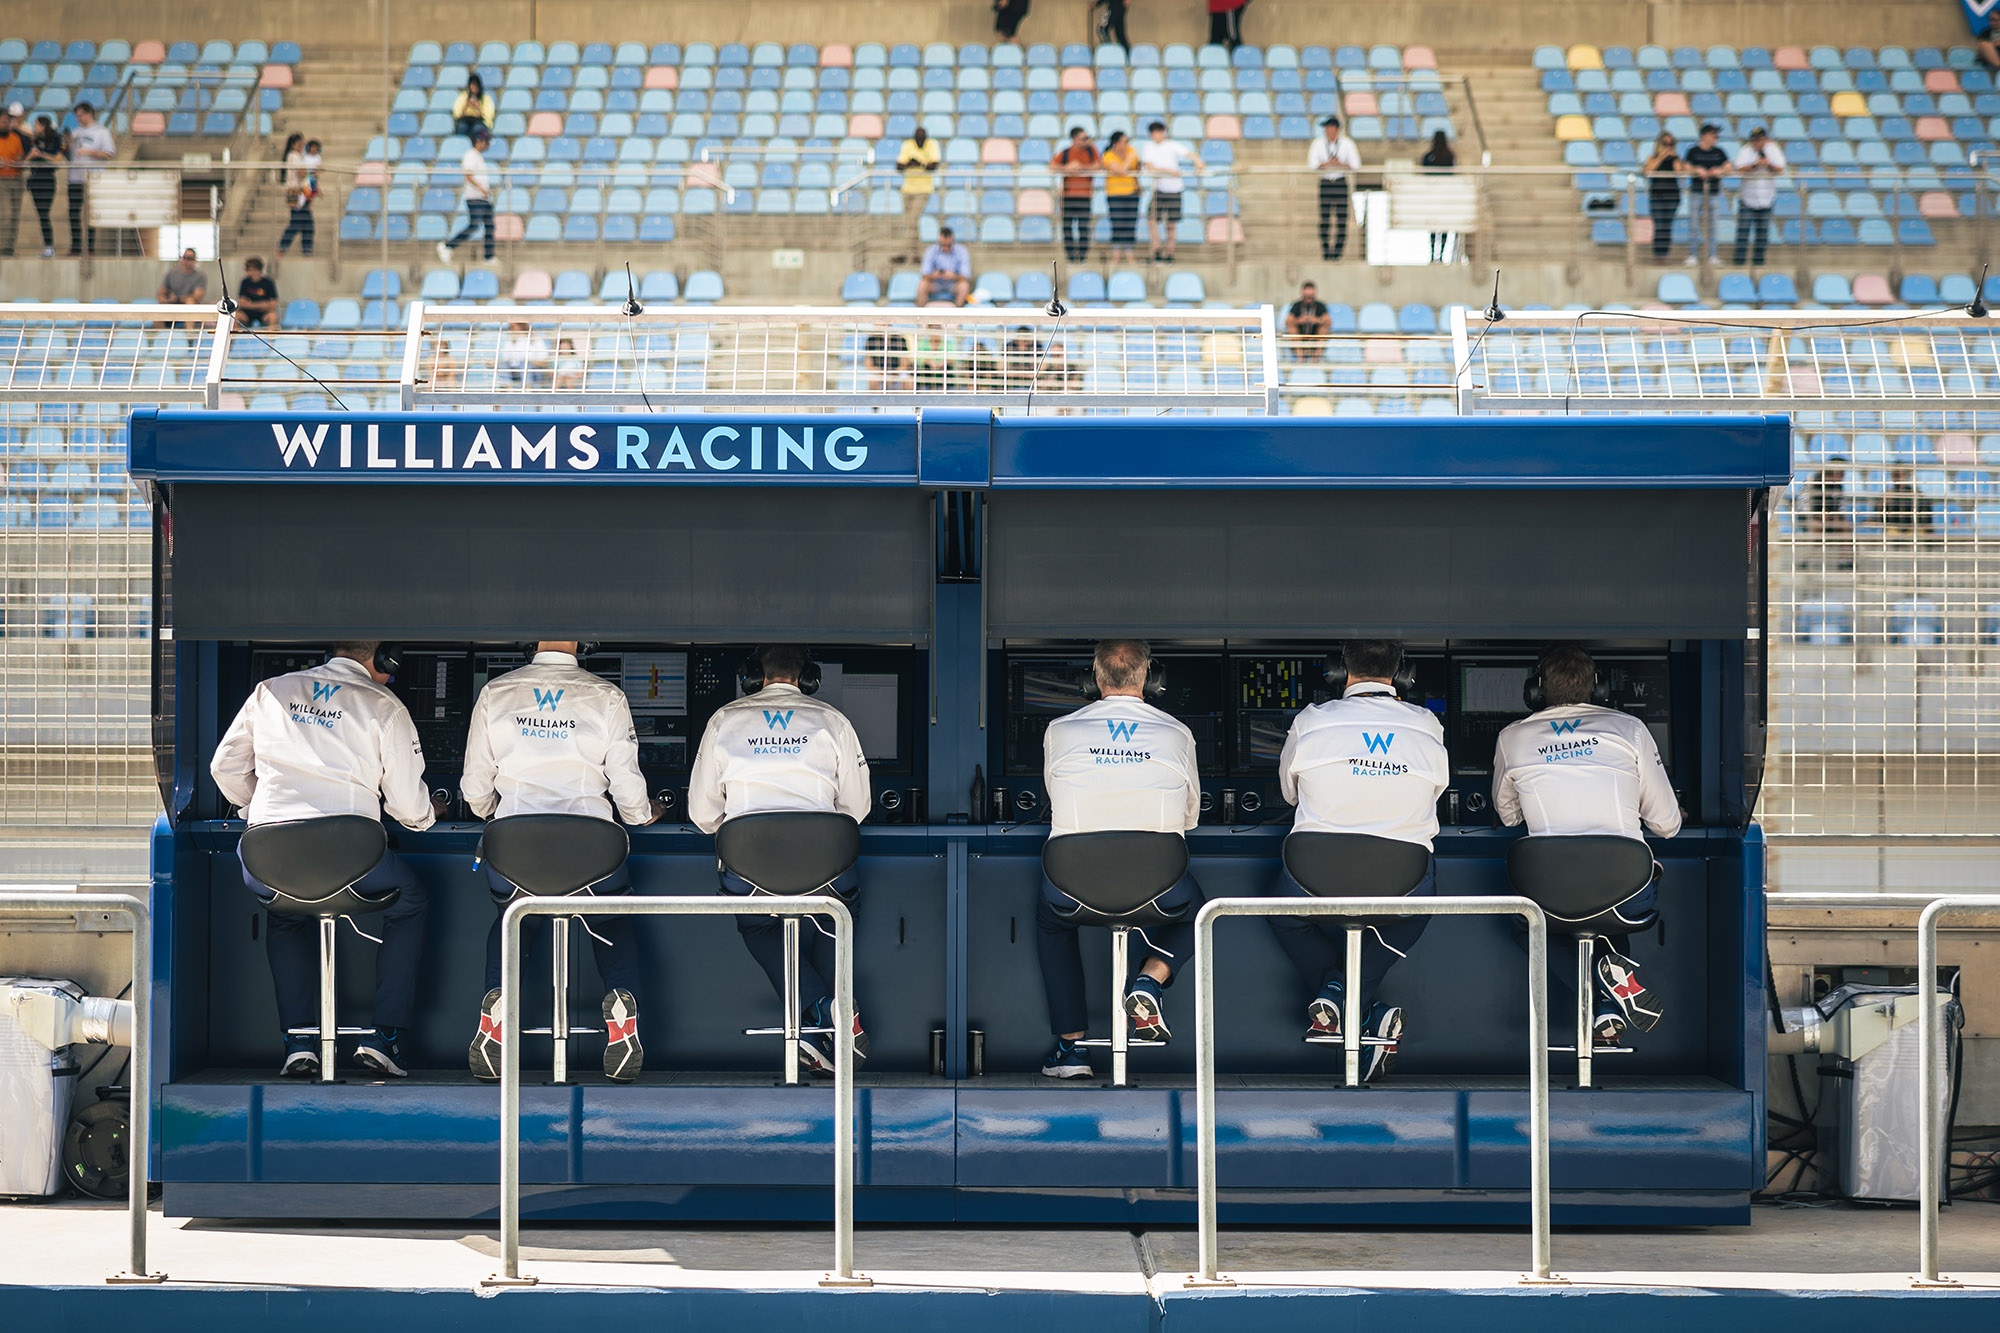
(139, 1141)
(842, 1274)
(1930, 1142)
(1538, 1054)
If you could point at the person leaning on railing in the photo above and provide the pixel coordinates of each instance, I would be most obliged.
(1121, 194)
(1663, 192)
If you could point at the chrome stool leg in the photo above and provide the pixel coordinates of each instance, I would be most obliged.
(329, 1030)
(559, 1014)
(1350, 1037)
(1585, 1008)
(791, 1000)
(1120, 1024)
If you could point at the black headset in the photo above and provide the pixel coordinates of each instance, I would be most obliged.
(388, 659)
(584, 648)
(750, 676)
(1403, 679)
(1536, 696)
(1155, 688)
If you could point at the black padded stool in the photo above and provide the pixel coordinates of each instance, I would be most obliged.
(790, 853)
(1354, 865)
(311, 867)
(1581, 882)
(554, 856)
(1117, 878)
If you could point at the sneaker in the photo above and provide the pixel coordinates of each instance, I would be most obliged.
(381, 1051)
(1067, 1060)
(1618, 981)
(1326, 1010)
(444, 253)
(816, 1055)
(624, 1057)
(1689, 262)
(1608, 1033)
(48, 252)
(820, 1015)
(1384, 1021)
(1143, 1007)
(301, 1058)
(484, 1055)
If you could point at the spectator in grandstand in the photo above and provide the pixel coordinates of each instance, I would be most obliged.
(1333, 155)
(89, 143)
(1438, 159)
(472, 109)
(13, 153)
(301, 183)
(947, 272)
(918, 160)
(1707, 163)
(182, 285)
(569, 365)
(256, 297)
(1901, 509)
(1165, 160)
(524, 356)
(1111, 23)
(1663, 192)
(1076, 165)
(1826, 498)
(1021, 355)
(1225, 22)
(1121, 194)
(1059, 373)
(478, 198)
(1759, 162)
(1007, 16)
(1307, 319)
(1986, 48)
(888, 361)
(45, 149)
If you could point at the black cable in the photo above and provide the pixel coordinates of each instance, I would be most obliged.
(632, 308)
(1058, 311)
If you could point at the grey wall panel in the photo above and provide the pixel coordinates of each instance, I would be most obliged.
(1487, 563)
(846, 565)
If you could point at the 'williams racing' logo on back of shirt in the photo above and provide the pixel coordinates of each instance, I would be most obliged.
(778, 721)
(776, 745)
(1378, 744)
(1123, 731)
(1376, 768)
(1580, 747)
(1124, 747)
(323, 691)
(1565, 726)
(546, 700)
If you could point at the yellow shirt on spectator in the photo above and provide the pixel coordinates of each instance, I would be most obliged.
(918, 156)
(1121, 165)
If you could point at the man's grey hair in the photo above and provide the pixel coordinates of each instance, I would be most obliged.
(1121, 664)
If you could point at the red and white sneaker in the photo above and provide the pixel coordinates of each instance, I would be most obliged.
(484, 1055)
(1618, 980)
(624, 1057)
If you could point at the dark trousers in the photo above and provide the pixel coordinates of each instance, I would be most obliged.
(76, 227)
(301, 226)
(764, 936)
(1562, 958)
(466, 125)
(1227, 29)
(1113, 24)
(1664, 208)
(1333, 201)
(1076, 227)
(1061, 956)
(1124, 218)
(1318, 947)
(614, 940)
(1753, 228)
(10, 211)
(1007, 17)
(478, 217)
(292, 942)
(43, 191)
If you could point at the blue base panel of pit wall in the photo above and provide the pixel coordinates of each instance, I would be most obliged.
(1629, 1156)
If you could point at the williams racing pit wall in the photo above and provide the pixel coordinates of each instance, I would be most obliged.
(951, 574)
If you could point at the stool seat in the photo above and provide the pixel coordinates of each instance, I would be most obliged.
(1355, 865)
(1581, 880)
(1117, 876)
(554, 855)
(789, 852)
(312, 865)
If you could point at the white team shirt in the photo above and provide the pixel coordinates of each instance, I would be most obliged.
(324, 741)
(1168, 159)
(552, 739)
(1366, 763)
(1333, 160)
(1120, 764)
(777, 749)
(1581, 769)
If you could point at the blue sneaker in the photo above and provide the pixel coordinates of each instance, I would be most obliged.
(301, 1058)
(1067, 1060)
(1384, 1022)
(1143, 1005)
(820, 1015)
(1325, 1012)
(380, 1052)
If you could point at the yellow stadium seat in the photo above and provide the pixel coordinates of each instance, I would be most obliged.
(1573, 127)
(1849, 104)
(1312, 407)
(1585, 56)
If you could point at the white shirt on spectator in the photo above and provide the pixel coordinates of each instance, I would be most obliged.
(1165, 160)
(1333, 158)
(96, 138)
(477, 186)
(1760, 187)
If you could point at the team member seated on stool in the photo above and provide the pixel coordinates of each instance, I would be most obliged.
(552, 739)
(1574, 768)
(330, 740)
(1116, 765)
(777, 748)
(1363, 763)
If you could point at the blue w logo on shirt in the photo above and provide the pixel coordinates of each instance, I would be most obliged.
(546, 700)
(323, 691)
(1122, 731)
(781, 721)
(1568, 724)
(1378, 744)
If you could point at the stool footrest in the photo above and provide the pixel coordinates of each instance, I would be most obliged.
(1595, 1051)
(338, 1032)
(779, 1032)
(1133, 1045)
(1365, 1041)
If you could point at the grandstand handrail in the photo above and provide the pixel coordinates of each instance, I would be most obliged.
(201, 321)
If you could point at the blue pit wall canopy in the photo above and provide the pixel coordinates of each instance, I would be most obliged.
(955, 566)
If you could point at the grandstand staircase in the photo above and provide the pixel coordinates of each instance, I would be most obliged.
(336, 99)
(1513, 115)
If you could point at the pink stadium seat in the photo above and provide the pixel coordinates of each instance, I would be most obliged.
(233, 402)
(1224, 127)
(149, 53)
(1362, 104)
(275, 76)
(836, 55)
(1382, 352)
(145, 124)
(704, 175)
(998, 152)
(1790, 57)
(1641, 228)
(1034, 204)
(1222, 231)
(1872, 289)
(1077, 79)
(1671, 104)
(1936, 204)
(533, 285)
(864, 125)
(545, 125)
(1932, 129)
(663, 76)
(372, 173)
(1801, 382)
(1419, 57)
(1941, 81)
(509, 227)
(1957, 449)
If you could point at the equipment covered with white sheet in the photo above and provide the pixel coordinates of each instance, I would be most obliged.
(1869, 1115)
(36, 1085)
